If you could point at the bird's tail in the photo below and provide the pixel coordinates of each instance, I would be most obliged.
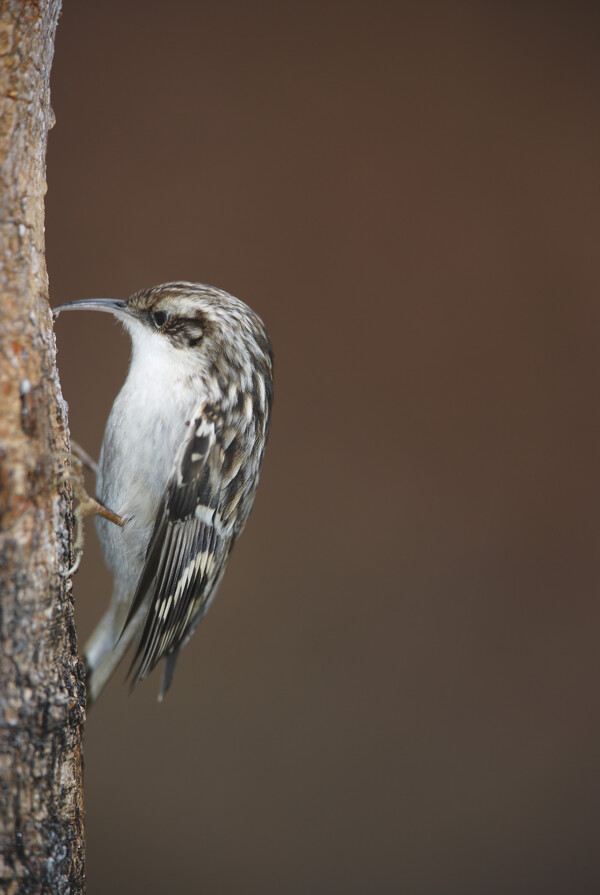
(107, 646)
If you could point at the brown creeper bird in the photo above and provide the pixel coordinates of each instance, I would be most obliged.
(180, 462)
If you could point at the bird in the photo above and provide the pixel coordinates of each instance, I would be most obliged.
(179, 467)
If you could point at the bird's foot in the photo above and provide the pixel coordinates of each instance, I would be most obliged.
(72, 471)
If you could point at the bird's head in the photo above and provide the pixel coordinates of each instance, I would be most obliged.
(194, 328)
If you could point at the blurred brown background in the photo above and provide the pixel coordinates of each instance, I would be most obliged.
(397, 688)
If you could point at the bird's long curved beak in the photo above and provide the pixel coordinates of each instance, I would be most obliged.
(115, 306)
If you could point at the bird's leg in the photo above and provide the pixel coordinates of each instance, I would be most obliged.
(83, 455)
(86, 505)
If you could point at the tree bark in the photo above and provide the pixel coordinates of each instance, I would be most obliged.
(42, 691)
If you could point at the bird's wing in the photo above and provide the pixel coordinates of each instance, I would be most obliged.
(188, 547)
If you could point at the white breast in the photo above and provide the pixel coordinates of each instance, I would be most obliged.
(145, 429)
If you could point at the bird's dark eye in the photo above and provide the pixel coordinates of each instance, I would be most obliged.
(159, 318)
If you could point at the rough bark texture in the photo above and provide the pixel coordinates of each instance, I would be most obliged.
(42, 696)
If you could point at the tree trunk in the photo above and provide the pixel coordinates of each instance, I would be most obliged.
(42, 692)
